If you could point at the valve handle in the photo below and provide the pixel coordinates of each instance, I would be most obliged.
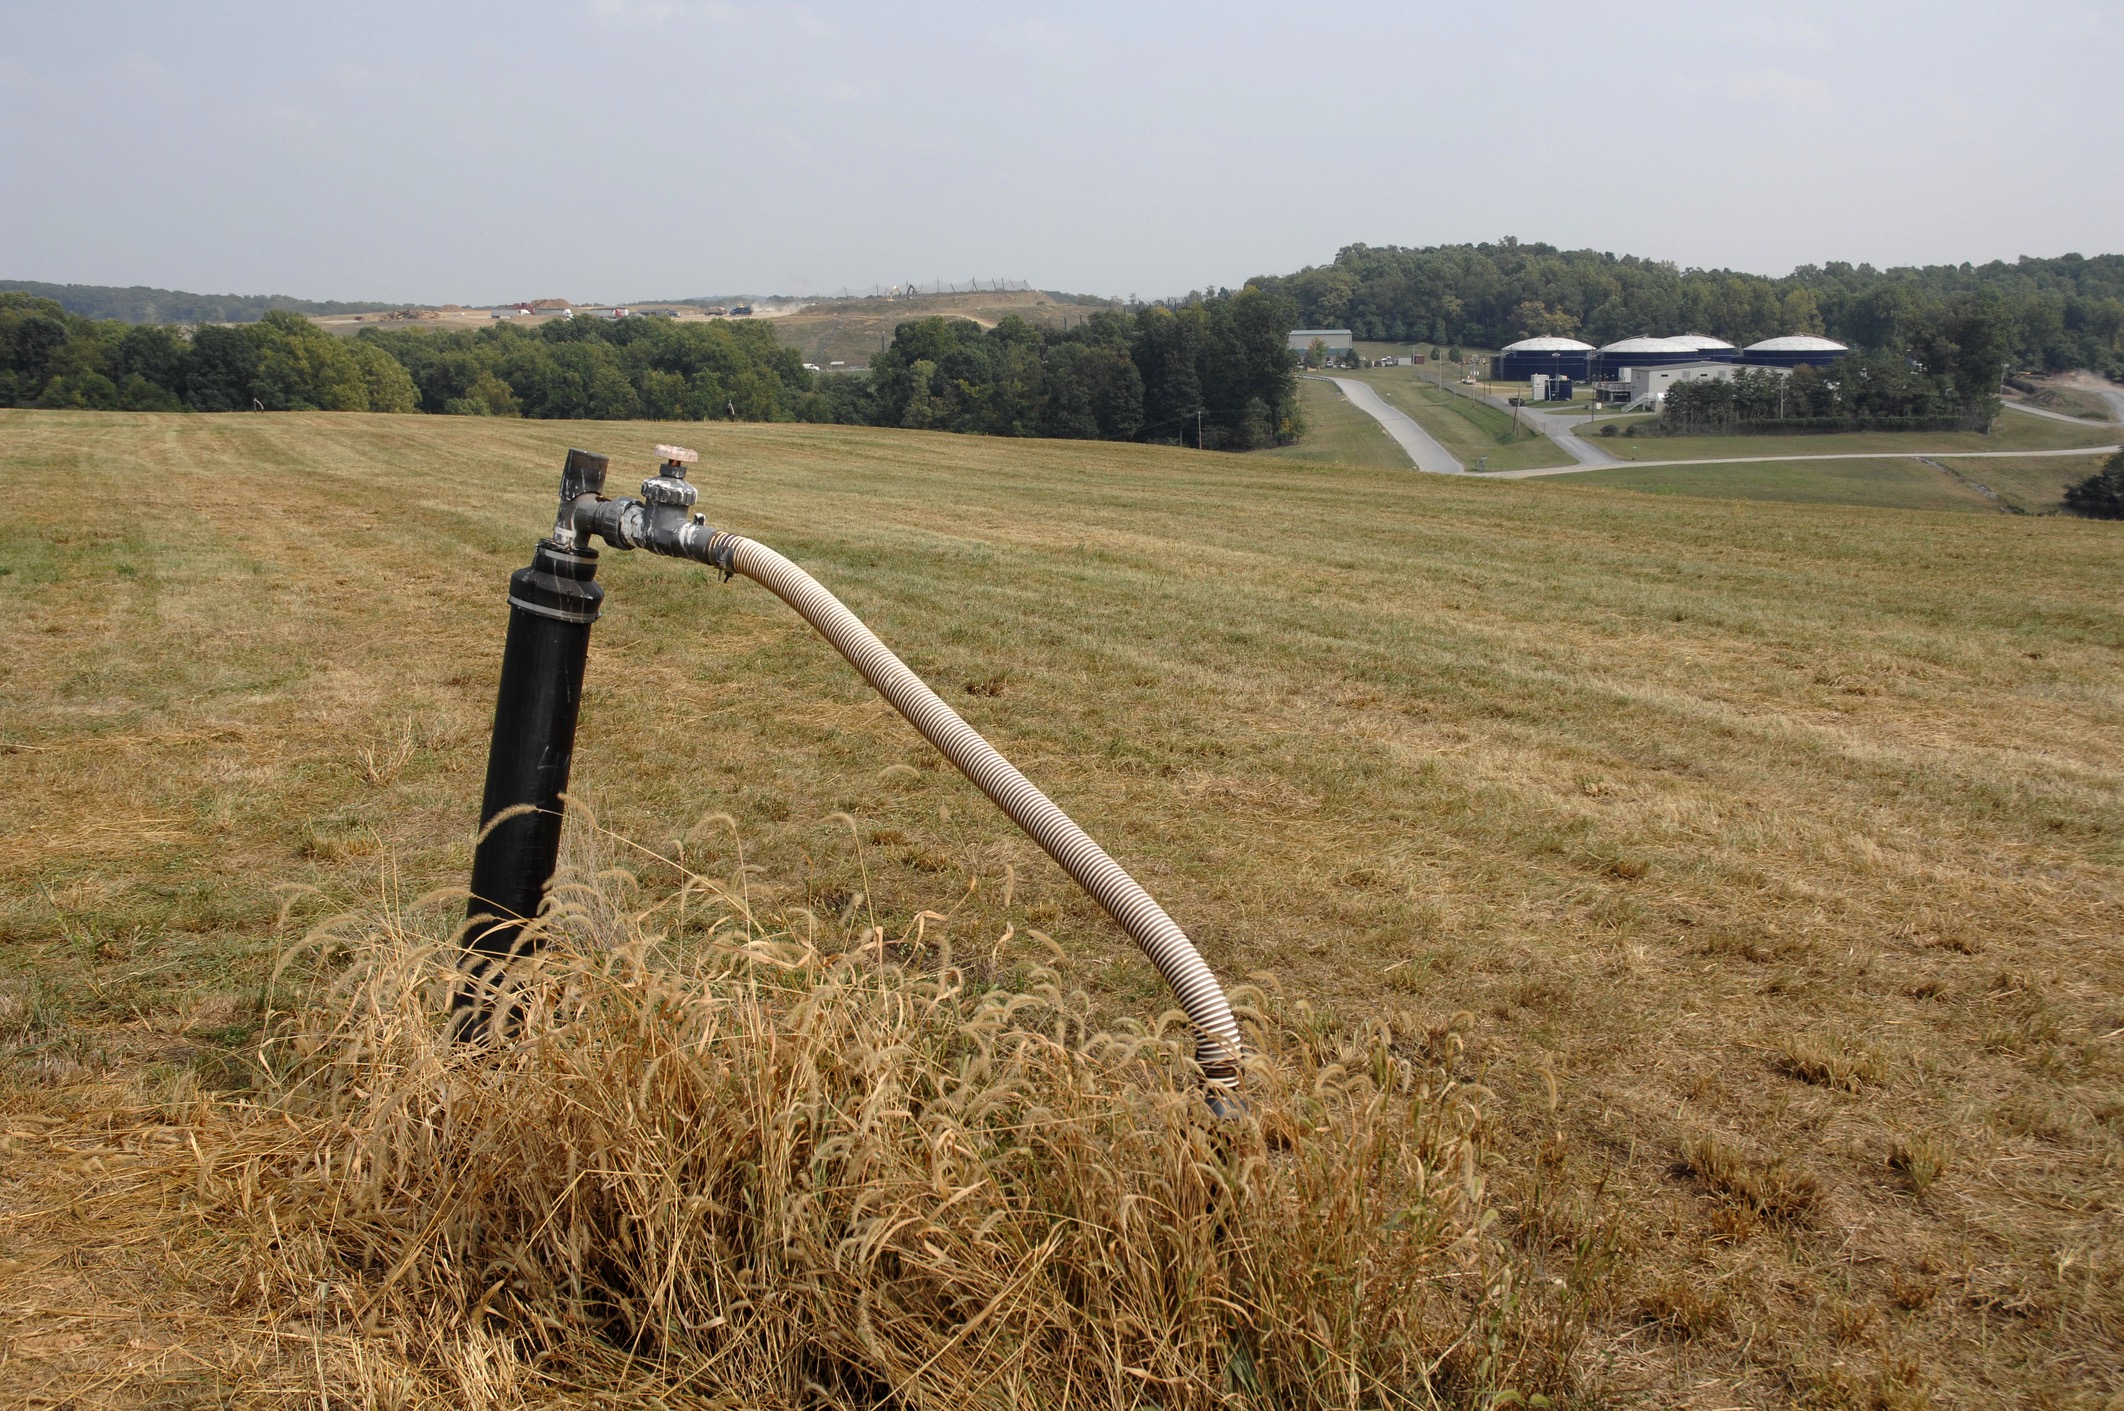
(678, 455)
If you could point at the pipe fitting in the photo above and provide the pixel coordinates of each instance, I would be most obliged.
(663, 522)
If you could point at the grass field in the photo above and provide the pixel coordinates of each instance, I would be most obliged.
(2073, 401)
(1762, 861)
(2013, 431)
(1466, 427)
(2032, 486)
(1882, 484)
(2035, 485)
(1337, 432)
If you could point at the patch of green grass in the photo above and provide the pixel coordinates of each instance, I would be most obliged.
(2072, 401)
(1338, 432)
(2035, 485)
(2011, 432)
(1887, 484)
(1470, 429)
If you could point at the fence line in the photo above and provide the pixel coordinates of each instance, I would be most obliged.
(939, 286)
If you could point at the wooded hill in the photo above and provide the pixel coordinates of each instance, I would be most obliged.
(2061, 312)
(140, 304)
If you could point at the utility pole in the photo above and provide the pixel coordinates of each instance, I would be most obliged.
(1198, 428)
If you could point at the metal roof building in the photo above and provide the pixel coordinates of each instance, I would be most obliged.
(1798, 350)
(1553, 357)
(1336, 340)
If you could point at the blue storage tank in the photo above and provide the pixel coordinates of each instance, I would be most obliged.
(1608, 363)
(1555, 357)
(1799, 350)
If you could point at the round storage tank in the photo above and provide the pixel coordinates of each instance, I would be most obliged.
(1555, 357)
(1608, 362)
(1799, 350)
(1708, 349)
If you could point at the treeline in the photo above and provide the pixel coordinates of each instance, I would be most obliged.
(1213, 371)
(140, 304)
(283, 362)
(607, 370)
(2063, 312)
(1944, 376)
(1863, 392)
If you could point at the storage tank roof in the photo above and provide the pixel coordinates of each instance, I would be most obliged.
(1797, 343)
(1651, 345)
(1701, 341)
(1547, 345)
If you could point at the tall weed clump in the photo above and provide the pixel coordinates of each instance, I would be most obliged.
(742, 1170)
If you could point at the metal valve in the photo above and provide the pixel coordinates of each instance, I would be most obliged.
(661, 521)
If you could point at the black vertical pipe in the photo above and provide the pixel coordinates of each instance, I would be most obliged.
(551, 606)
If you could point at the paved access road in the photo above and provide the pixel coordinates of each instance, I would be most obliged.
(2067, 416)
(1557, 427)
(1429, 455)
(1833, 456)
(1422, 449)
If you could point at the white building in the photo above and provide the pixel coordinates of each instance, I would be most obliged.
(1648, 385)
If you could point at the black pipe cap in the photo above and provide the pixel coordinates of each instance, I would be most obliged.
(558, 585)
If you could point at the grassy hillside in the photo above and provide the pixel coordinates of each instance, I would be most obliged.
(855, 330)
(2033, 485)
(1337, 432)
(2013, 431)
(1470, 429)
(1764, 858)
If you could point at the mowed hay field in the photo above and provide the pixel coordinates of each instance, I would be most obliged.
(1764, 858)
(2012, 430)
(2016, 484)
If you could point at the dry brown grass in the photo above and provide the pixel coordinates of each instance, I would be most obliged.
(1921, 1160)
(719, 1166)
(1832, 1062)
(714, 1165)
(1623, 792)
(1769, 1188)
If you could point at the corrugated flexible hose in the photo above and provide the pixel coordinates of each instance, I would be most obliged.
(1217, 1047)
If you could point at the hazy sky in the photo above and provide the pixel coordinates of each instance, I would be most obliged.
(607, 149)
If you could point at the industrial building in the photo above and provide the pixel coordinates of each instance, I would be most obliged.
(1646, 387)
(1335, 340)
(1799, 350)
(1637, 372)
(1549, 357)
